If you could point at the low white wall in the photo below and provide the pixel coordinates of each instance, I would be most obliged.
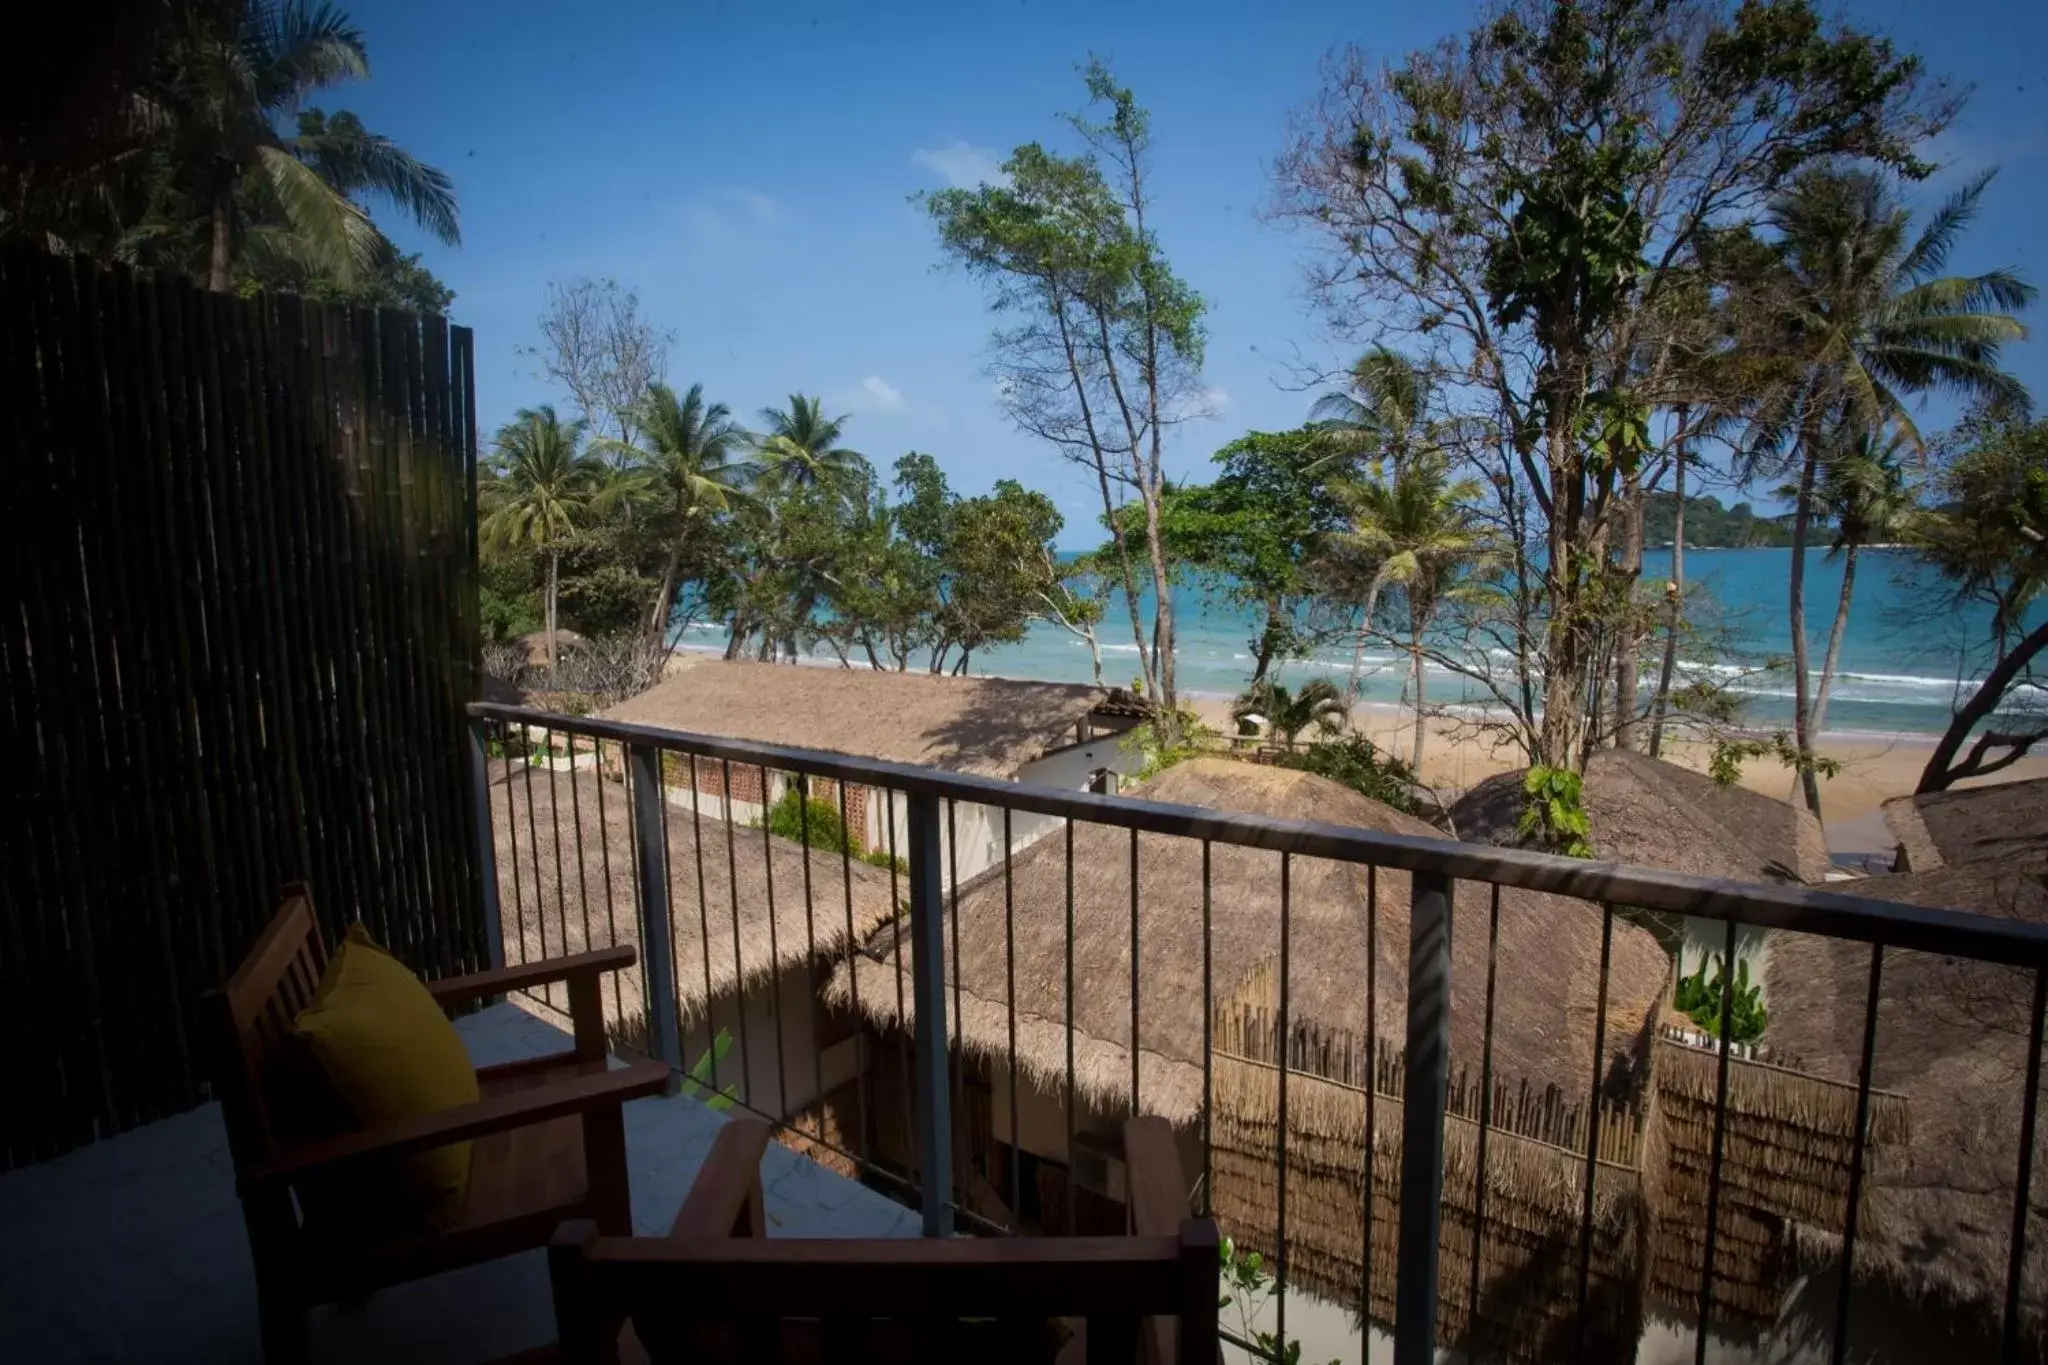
(775, 1089)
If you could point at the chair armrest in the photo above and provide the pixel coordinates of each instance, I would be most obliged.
(455, 990)
(724, 1198)
(596, 1088)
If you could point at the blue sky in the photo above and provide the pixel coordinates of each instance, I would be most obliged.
(747, 166)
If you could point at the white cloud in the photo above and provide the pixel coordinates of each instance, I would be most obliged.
(729, 216)
(1203, 405)
(882, 393)
(962, 164)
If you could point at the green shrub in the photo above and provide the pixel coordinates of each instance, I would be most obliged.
(809, 820)
(1555, 815)
(1142, 743)
(1357, 763)
(1700, 1001)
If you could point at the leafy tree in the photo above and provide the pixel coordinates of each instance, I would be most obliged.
(1517, 202)
(224, 185)
(1103, 350)
(1711, 526)
(1258, 532)
(1317, 705)
(537, 492)
(393, 281)
(684, 472)
(1863, 308)
(1989, 539)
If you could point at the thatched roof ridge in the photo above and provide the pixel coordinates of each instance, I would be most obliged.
(1657, 814)
(991, 726)
(1951, 1037)
(1544, 1034)
(555, 887)
(1969, 824)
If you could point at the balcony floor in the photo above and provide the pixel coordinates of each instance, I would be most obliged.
(133, 1249)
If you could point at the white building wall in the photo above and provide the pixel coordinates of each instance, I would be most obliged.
(776, 1089)
(977, 830)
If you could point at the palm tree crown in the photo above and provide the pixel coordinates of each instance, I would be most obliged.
(688, 456)
(1318, 704)
(225, 174)
(800, 448)
(543, 482)
(1382, 414)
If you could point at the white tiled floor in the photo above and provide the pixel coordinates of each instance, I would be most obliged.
(133, 1250)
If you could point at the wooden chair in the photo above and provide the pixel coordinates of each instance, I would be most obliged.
(716, 1289)
(548, 1133)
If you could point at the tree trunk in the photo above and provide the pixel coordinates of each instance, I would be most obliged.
(1627, 641)
(554, 581)
(1562, 735)
(1372, 606)
(1094, 653)
(220, 275)
(1415, 759)
(1675, 600)
(1982, 703)
(1834, 655)
(1262, 648)
(664, 602)
(1802, 516)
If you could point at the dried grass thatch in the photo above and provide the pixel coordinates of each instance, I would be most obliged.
(1549, 951)
(1657, 814)
(2002, 820)
(1952, 1038)
(992, 726)
(1529, 1255)
(566, 879)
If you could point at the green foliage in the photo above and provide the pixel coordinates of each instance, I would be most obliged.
(1709, 525)
(1247, 1285)
(1701, 1001)
(604, 597)
(1555, 813)
(809, 820)
(704, 1070)
(1154, 755)
(1724, 765)
(508, 598)
(1318, 704)
(1989, 538)
(1357, 763)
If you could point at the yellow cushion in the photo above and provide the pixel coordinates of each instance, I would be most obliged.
(390, 1053)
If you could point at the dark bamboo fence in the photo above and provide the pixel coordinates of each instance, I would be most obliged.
(243, 626)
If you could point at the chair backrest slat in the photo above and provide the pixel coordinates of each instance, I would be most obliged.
(254, 1011)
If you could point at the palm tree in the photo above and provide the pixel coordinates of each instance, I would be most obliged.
(1381, 415)
(542, 486)
(225, 174)
(1419, 527)
(1287, 714)
(800, 448)
(1866, 494)
(687, 468)
(1863, 308)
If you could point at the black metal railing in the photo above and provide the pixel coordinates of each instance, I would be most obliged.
(895, 858)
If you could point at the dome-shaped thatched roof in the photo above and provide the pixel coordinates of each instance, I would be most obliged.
(1657, 814)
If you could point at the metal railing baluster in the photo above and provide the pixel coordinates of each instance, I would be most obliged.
(703, 923)
(1485, 1123)
(1853, 1216)
(928, 984)
(657, 939)
(1593, 1123)
(1372, 1085)
(486, 842)
(803, 826)
(1068, 1000)
(739, 966)
(1010, 1004)
(774, 948)
(2023, 1185)
(1422, 1117)
(853, 948)
(1706, 1309)
(1280, 1128)
(1208, 1039)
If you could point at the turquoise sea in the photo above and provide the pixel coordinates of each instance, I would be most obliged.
(1904, 657)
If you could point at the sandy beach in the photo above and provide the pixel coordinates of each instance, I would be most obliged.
(1874, 768)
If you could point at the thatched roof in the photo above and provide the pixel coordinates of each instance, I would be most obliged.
(991, 726)
(1952, 1037)
(555, 886)
(1967, 824)
(1548, 959)
(1657, 814)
